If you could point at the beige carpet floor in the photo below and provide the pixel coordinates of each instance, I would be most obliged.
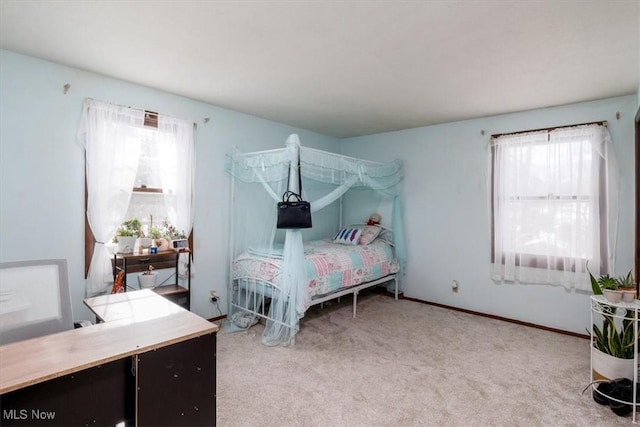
(402, 363)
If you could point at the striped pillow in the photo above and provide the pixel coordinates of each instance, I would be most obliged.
(348, 236)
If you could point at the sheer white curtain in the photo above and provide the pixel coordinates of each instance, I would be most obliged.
(178, 166)
(554, 206)
(111, 137)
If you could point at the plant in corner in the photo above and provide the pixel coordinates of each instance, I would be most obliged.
(627, 281)
(608, 286)
(613, 343)
(627, 285)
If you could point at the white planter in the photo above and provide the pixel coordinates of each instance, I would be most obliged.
(145, 242)
(628, 295)
(612, 296)
(147, 281)
(126, 244)
(609, 367)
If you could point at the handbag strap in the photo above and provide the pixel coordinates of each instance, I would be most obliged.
(299, 194)
(287, 195)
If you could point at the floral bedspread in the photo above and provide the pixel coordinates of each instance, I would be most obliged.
(329, 266)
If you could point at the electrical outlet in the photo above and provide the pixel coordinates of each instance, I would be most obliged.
(213, 296)
(454, 286)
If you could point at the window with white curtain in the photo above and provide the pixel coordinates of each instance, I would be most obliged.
(554, 205)
(125, 156)
(150, 200)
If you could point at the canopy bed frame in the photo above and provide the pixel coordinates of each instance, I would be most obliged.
(278, 274)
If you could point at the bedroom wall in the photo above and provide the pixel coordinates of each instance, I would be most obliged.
(447, 215)
(42, 167)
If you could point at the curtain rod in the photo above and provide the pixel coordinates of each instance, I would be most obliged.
(152, 113)
(498, 135)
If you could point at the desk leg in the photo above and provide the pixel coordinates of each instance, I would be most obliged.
(177, 384)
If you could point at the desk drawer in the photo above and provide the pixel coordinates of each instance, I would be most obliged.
(177, 384)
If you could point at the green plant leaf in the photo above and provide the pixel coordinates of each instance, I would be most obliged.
(595, 288)
(626, 281)
(607, 282)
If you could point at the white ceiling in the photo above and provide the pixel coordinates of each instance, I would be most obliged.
(346, 68)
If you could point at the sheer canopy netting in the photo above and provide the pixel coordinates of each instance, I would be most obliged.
(329, 181)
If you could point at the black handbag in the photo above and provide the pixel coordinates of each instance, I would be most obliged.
(296, 213)
(293, 214)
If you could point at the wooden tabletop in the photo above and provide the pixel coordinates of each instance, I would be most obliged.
(40, 359)
(137, 305)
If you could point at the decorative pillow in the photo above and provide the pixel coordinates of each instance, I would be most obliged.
(348, 236)
(369, 234)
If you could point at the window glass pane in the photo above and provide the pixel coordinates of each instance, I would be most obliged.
(540, 227)
(149, 166)
(548, 170)
(570, 168)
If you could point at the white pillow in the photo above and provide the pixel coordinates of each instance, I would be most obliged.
(369, 234)
(348, 236)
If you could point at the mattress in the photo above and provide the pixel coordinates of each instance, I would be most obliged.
(329, 266)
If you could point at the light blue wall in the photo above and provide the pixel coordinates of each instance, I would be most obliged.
(447, 223)
(447, 210)
(42, 167)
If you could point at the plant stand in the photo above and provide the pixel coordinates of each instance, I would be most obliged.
(179, 292)
(600, 307)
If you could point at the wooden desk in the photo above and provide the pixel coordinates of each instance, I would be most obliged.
(135, 306)
(150, 363)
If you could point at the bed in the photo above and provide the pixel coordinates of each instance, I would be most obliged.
(312, 265)
(332, 268)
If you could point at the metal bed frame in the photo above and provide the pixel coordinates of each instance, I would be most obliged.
(256, 293)
(251, 295)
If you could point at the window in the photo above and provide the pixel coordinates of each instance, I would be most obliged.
(553, 213)
(148, 199)
(137, 164)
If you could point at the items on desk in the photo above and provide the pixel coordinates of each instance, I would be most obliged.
(148, 278)
(180, 245)
(118, 283)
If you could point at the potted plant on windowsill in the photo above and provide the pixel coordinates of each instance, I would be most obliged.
(156, 235)
(127, 234)
(165, 234)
